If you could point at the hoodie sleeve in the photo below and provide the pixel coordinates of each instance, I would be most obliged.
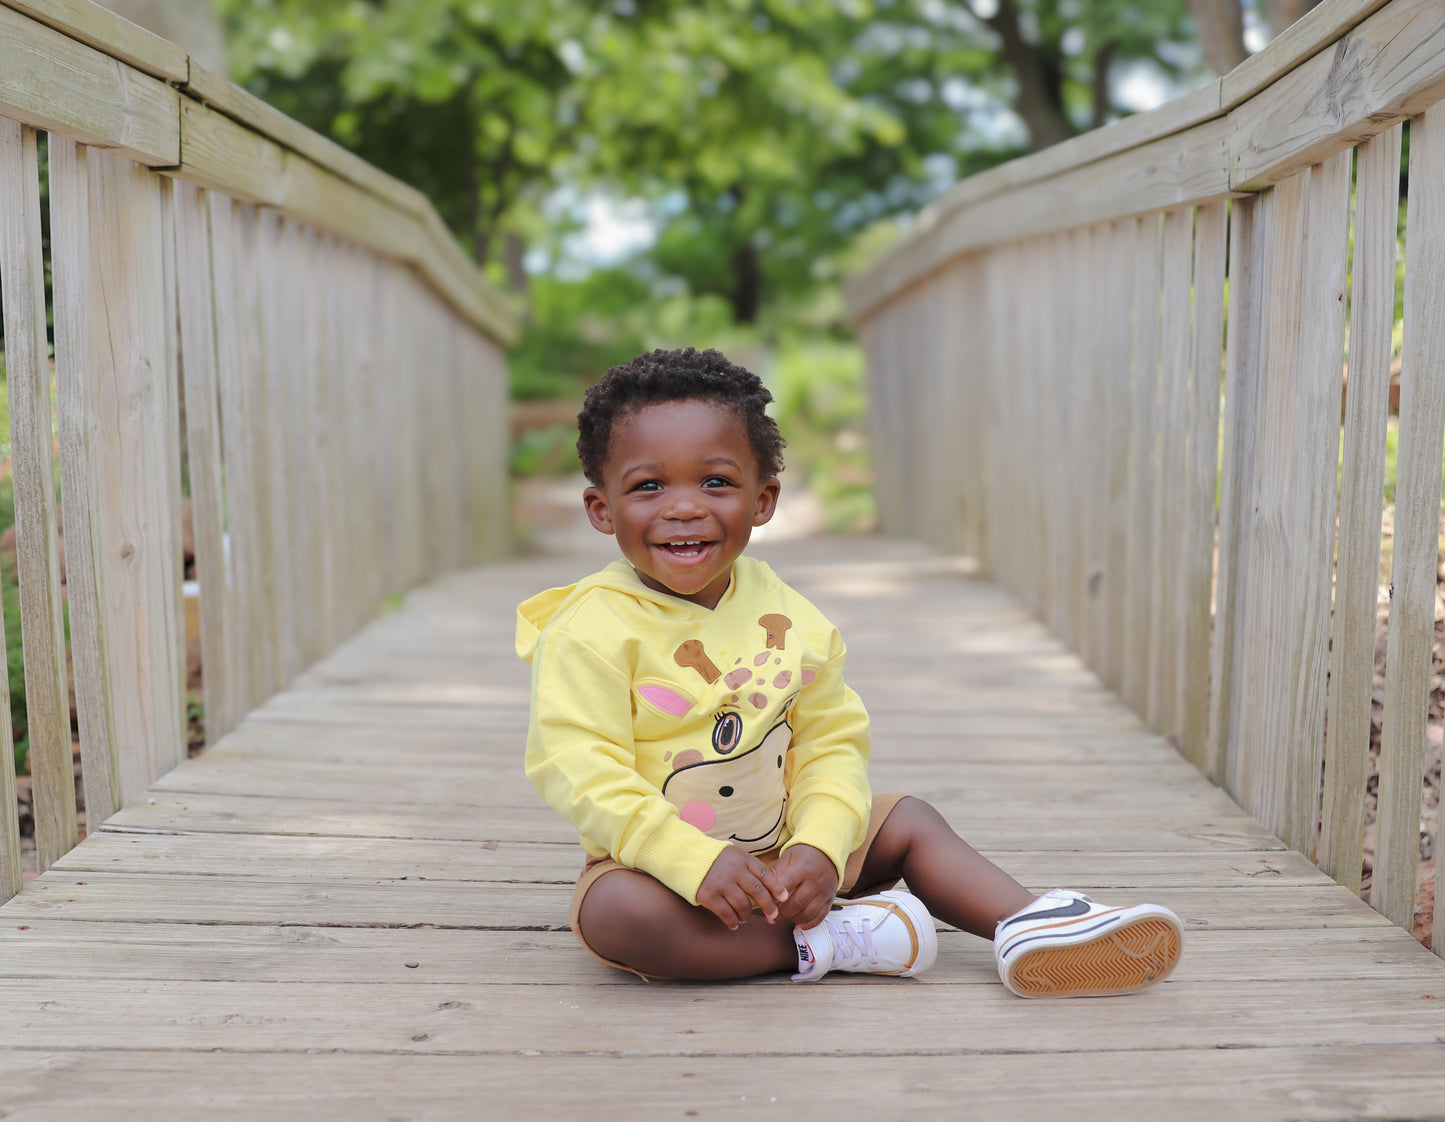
(581, 757)
(829, 797)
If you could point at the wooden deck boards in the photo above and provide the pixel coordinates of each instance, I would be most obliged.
(354, 907)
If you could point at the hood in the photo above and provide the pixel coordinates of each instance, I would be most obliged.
(536, 613)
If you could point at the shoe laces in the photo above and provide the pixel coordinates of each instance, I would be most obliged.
(853, 944)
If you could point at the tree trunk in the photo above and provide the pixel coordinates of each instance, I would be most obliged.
(1221, 32)
(514, 254)
(1040, 101)
(1103, 59)
(747, 294)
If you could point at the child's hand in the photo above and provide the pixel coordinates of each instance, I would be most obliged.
(738, 882)
(811, 881)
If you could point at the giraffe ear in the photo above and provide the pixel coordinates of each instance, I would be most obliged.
(665, 699)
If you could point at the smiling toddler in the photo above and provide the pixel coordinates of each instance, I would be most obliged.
(690, 718)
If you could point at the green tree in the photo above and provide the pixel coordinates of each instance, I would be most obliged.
(768, 132)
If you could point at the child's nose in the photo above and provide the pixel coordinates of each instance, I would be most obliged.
(684, 507)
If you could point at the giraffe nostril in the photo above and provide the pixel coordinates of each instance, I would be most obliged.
(725, 792)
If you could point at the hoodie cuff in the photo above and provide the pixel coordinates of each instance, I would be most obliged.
(678, 855)
(831, 825)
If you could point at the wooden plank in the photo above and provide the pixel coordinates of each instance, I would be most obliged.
(139, 507)
(22, 279)
(212, 952)
(1097, 324)
(1200, 1085)
(642, 1019)
(1288, 604)
(217, 151)
(248, 110)
(1417, 530)
(1295, 45)
(1249, 237)
(173, 749)
(1176, 171)
(50, 81)
(1198, 546)
(1056, 492)
(374, 860)
(1367, 398)
(1175, 116)
(78, 423)
(37, 547)
(1120, 317)
(1143, 460)
(1168, 481)
(203, 447)
(1208, 824)
(110, 34)
(1389, 68)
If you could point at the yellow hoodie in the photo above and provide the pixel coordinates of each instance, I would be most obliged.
(665, 732)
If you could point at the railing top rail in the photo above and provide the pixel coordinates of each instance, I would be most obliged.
(1260, 123)
(59, 72)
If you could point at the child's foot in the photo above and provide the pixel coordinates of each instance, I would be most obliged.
(890, 933)
(1065, 945)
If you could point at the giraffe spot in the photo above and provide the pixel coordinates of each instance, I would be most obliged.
(737, 677)
(762, 658)
(758, 701)
(686, 759)
(784, 678)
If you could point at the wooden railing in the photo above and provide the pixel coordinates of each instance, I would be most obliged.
(1049, 356)
(242, 311)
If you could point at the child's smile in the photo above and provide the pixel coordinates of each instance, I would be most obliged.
(682, 493)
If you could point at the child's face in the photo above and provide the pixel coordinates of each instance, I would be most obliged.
(682, 493)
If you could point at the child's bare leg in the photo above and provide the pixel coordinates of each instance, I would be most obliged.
(955, 882)
(631, 918)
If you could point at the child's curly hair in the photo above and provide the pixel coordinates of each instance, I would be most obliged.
(682, 375)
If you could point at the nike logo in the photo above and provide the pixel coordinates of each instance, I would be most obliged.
(1072, 908)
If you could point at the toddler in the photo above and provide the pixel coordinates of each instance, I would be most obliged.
(690, 719)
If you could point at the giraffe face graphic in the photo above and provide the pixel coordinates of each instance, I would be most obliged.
(740, 798)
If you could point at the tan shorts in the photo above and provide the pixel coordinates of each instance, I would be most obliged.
(598, 867)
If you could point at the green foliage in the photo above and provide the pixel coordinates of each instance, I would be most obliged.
(767, 132)
(577, 330)
(821, 408)
(546, 451)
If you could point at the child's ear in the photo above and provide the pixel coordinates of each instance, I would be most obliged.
(767, 500)
(598, 513)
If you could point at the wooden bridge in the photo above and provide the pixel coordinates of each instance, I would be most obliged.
(352, 906)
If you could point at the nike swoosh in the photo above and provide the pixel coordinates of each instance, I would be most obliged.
(1072, 908)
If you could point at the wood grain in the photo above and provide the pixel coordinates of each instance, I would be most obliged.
(1367, 402)
(1416, 546)
(78, 424)
(384, 876)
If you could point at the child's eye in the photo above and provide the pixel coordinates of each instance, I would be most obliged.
(647, 485)
(716, 481)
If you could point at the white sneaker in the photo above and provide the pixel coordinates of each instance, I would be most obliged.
(890, 933)
(1065, 945)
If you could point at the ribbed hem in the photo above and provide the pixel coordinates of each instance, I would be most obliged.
(678, 855)
(830, 824)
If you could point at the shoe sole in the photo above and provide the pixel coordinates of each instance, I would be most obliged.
(1127, 958)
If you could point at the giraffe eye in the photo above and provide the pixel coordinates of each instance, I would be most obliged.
(728, 733)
